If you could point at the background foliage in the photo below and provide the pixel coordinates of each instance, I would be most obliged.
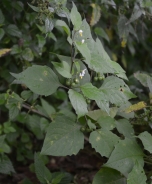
(49, 108)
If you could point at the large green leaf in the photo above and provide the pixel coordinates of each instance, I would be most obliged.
(137, 175)
(108, 176)
(42, 172)
(124, 127)
(63, 69)
(75, 17)
(103, 141)
(39, 79)
(124, 155)
(116, 91)
(63, 138)
(13, 30)
(6, 166)
(78, 102)
(146, 139)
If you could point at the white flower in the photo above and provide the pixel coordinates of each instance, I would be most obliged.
(82, 41)
(82, 73)
(80, 32)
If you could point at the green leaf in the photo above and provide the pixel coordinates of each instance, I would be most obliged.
(78, 102)
(27, 54)
(36, 9)
(6, 166)
(49, 25)
(92, 92)
(41, 40)
(13, 30)
(100, 32)
(75, 17)
(143, 78)
(83, 49)
(96, 14)
(116, 91)
(63, 138)
(16, 49)
(103, 141)
(47, 107)
(39, 79)
(137, 175)
(2, 138)
(137, 12)
(42, 172)
(146, 139)
(2, 33)
(91, 125)
(103, 105)
(108, 176)
(124, 127)
(123, 29)
(124, 155)
(63, 69)
(106, 123)
(63, 25)
(2, 18)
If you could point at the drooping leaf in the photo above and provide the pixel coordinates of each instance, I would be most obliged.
(63, 138)
(108, 176)
(2, 33)
(96, 14)
(63, 69)
(116, 91)
(124, 127)
(39, 79)
(13, 30)
(78, 102)
(6, 166)
(75, 17)
(146, 139)
(143, 78)
(137, 175)
(103, 141)
(41, 171)
(106, 123)
(124, 155)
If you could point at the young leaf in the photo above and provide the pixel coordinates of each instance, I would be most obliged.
(63, 69)
(63, 138)
(39, 79)
(137, 175)
(124, 127)
(124, 155)
(6, 166)
(75, 17)
(146, 139)
(42, 172)
(109, 176)
(78, 102)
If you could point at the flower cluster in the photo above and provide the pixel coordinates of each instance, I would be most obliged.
(82, 73)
